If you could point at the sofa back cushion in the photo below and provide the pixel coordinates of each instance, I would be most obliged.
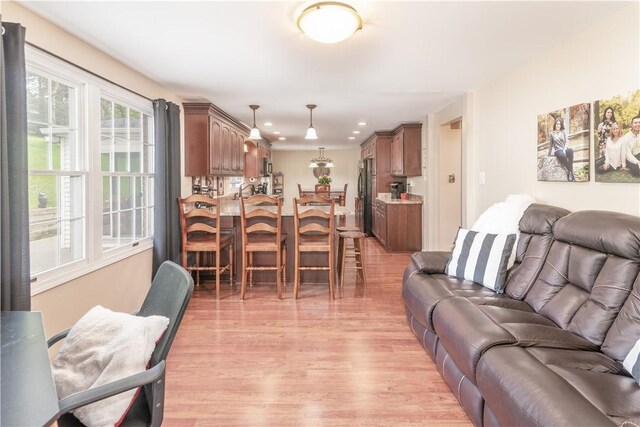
(589, 271)
(625, 330)
(536, 226)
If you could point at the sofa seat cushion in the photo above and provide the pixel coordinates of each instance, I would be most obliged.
(467, 330)
(466, 333)
(497, 300)
(522, 391)
(500, 314)
(577, 359)
(422, 292)
(532, 335)
(618, 396)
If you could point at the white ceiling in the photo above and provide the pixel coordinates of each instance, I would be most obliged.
(410, 59)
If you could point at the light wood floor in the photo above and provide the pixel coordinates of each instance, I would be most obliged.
(310, 362)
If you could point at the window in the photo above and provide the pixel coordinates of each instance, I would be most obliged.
(126, 161)
(90, 149)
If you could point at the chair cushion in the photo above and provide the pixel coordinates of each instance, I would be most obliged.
(102, 347)
(481, 257)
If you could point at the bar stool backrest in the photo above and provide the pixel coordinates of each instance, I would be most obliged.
(261, 214)
(312, 220)
(199, 215)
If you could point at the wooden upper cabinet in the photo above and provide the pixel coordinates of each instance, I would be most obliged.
(215, 147)
(214, 141)
(196, 141)
(254, 158)
(406, 150)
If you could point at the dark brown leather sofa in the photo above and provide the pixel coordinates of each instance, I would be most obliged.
(549, 351)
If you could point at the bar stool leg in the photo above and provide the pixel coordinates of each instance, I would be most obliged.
(278, 277)
(296, 274)
(343, 257)
(218, 274)
(340, 268)
(231, 264)
(332, 274)
(360, 258)
(284, 265)
(244, 274)
(250, 268)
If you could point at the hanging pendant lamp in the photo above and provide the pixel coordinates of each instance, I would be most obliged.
(311, 132)
(255, 133)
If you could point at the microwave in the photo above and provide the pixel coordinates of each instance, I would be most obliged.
(267, 167)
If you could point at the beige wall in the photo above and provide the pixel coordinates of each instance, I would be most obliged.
(294, 166)
(122, 285)
(599, 63)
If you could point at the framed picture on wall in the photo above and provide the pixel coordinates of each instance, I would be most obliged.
(616, 139)
(564, 144)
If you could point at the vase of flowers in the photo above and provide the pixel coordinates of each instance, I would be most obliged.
(323, 185)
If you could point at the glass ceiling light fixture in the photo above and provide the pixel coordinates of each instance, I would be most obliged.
(255, 133)
(311, 132)
(321, 160)
(329, 21)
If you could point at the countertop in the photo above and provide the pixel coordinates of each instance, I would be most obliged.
(230, 207)
(411, 200)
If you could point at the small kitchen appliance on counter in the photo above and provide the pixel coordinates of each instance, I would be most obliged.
(396, 189)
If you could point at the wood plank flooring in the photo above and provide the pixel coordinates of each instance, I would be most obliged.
(310, 362)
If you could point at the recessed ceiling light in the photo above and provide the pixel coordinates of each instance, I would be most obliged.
(268, 124)
(352, 137)
(362, 123)
(276, 132)
(282, 138)
(356, 132)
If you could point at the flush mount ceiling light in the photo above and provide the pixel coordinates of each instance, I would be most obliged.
(311, 132)
(329, 22)
(255, 133)
(321, 160)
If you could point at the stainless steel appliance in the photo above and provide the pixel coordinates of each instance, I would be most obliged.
(396, 189)
(365, 196)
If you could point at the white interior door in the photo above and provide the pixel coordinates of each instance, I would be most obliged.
(449, 182)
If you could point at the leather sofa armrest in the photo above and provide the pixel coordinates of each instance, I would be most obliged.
(431, 262)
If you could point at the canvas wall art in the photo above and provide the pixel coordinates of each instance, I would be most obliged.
(564, 144)
(616, 139)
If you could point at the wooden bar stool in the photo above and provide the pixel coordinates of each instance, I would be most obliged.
(340, 249)
(314, 232)
(261, 219)
(358, 254)
(200, 233)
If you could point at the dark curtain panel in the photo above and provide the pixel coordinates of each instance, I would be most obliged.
(14, 209)
(166, 236)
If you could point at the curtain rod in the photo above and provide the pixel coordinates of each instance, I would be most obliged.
(87, 71)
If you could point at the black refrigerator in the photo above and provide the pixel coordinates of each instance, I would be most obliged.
(365, 194)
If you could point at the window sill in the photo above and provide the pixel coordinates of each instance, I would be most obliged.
(82, 269)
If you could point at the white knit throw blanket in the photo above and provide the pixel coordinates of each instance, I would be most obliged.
(104, 346)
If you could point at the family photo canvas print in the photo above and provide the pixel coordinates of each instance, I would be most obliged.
(564, 144)
(617, 139)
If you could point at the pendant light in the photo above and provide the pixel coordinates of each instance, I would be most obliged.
(255, 133)
(311, 132)
(321, 161)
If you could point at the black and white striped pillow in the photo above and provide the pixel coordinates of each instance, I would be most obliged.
(632, 362)
(481, 257)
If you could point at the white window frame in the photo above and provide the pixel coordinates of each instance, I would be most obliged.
(90, 90)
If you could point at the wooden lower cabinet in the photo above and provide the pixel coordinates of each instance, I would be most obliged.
(398, 226)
